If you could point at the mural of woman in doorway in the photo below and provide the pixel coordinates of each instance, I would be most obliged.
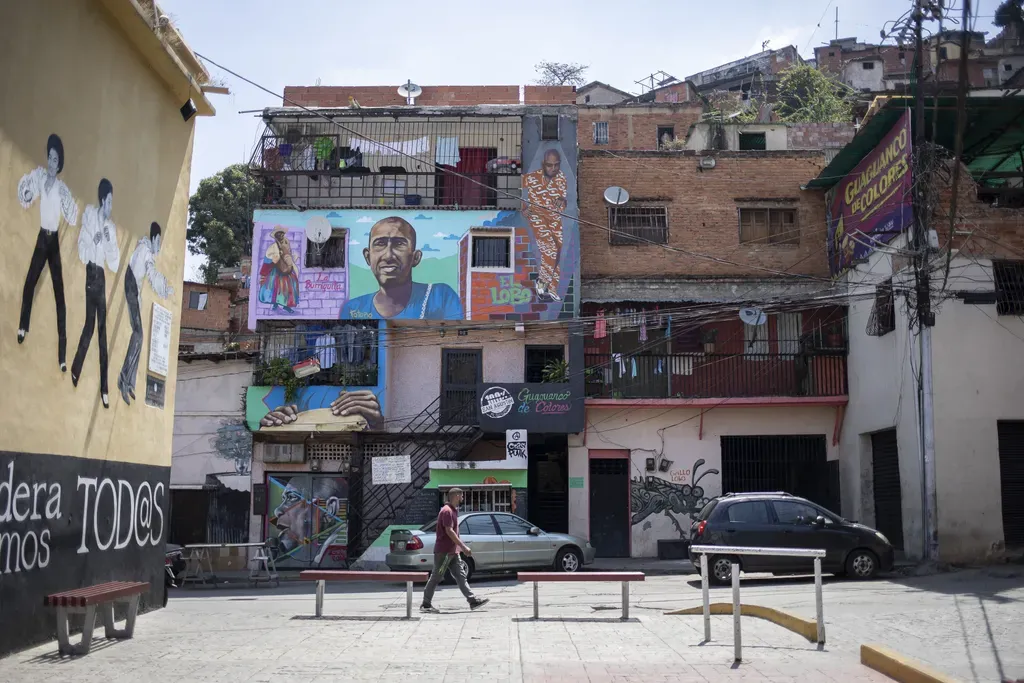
(55, 203)
(279, 279)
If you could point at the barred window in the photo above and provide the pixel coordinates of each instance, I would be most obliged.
(330, 254)
(485, 499)
(492, 252)
(769, 226)
(638, 225)
(882, 320)
(601, 133)
(1009, 280)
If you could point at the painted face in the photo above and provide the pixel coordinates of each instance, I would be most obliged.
(107, 206)
(291, 518)
(52, 163)
(282, 241)
(552, 164)
(392, 253)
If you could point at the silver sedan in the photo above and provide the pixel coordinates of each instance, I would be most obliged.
(500, 542)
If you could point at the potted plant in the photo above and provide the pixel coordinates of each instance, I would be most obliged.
(556, 372)
(278, 372)
(708, 338)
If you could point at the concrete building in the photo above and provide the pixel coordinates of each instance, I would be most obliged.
(976, 339)
(397, 277)
(95, 195)
(597, 92)
(751, 76)
(685, 400)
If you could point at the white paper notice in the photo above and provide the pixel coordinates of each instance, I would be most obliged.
(160, 341)
(392, 469)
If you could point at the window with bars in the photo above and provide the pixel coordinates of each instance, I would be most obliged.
(1009, 280)
(769, 226)
(549, 127)
(753, 142)
(493, 251)
(882, 320)
(330, 254)
(486, 499)
(538, 358)
(638, 225)
(601, 133)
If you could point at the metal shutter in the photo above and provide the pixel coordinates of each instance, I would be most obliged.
(1011, 477)
(885, 465)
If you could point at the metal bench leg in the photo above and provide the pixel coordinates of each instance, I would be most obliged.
(736, 609)
(536, 601)
(625, 599)
(707, 597)
(408, 599)
(129, 621)
(64, 645)
(320, 598)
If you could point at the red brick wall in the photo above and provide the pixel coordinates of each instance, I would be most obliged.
(483, 306)
(216, 314)
(890, 54)
(997, 232)
(702, 213)
(635, 127)
(433, 95)
(675, 93)
(818, 135)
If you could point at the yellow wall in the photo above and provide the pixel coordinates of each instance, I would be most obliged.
(67, 68)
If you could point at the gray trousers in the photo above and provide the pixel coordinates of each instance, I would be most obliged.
(442, 563)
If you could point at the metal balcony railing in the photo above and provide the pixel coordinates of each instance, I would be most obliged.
(347, 354)
(716, 375)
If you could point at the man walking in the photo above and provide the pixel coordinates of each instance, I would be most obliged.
(447, 546)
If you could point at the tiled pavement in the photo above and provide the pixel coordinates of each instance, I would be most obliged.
(267, 635)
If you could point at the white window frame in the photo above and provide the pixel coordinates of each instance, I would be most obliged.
(510, 235)
(498, 497)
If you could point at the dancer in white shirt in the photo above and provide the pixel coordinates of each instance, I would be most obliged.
(55, 203)
(141, 266)
(97, 247)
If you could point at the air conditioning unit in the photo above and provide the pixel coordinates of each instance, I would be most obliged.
(284, 452)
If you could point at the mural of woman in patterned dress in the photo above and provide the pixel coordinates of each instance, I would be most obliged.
(279, 279)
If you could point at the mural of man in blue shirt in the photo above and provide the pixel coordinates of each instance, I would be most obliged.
(391, 255)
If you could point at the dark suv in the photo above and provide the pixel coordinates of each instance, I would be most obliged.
(780, 520)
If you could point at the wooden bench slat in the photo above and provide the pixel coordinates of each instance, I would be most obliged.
(579, 576)
(90, 595)
(349, 575)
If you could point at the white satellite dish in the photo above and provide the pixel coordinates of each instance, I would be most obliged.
(410, 91)
(616, 195)
(753, 316)
(318, 229)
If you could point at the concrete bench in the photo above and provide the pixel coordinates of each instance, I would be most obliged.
(538, 577)
(322, 576)
(85, 601)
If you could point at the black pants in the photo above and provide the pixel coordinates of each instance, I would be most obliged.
(47, 251)
(130, 368)
(95, 316)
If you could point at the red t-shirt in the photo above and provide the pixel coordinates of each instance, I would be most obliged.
(447, 518)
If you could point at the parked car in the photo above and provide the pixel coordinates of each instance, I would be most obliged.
(500, 542)
(781, 520)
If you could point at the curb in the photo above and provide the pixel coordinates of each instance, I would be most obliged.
(900, 668)
(798, 625)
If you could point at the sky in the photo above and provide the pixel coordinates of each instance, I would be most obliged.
(468, 42)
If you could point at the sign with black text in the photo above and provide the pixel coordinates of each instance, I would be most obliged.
(515, 446)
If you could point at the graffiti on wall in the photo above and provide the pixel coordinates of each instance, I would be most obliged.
(233, 442)
(652, 495)
(308, 519)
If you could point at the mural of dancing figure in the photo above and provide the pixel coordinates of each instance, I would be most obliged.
(55, 203)
(545, 192)
(141, 266)
(279, 279)
(97, 247)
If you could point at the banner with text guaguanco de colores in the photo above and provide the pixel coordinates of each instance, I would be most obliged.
(871, 205)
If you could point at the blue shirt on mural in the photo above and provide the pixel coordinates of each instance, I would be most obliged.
(428, 302)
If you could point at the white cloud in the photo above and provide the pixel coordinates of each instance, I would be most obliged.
(440, 235)
(365, 219)
(354, 242)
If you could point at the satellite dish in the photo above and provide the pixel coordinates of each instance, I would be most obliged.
(318, 229)
(616, 195)
(753, 316)
(410, 91)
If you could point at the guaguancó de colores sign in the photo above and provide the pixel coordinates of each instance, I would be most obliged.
(540, 408)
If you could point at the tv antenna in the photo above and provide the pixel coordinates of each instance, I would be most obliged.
(753, 316)
(657, 79)
(616, 196)
(318, 231)
(410, 91)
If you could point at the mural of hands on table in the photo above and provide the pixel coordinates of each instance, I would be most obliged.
(362, 405)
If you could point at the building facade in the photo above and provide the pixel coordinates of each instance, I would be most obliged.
(415, 274)
(94, 199)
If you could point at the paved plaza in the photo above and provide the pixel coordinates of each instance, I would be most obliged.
(967, 624)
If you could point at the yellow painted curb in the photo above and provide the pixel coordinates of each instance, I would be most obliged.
(900, 668)
(803, 627)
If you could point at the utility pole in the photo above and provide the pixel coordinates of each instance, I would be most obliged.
(925, 317)
(837, 22)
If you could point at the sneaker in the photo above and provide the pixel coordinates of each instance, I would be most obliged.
(429, 608)
(478, 602)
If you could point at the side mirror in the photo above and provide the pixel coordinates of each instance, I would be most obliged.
(535, 531)
(819, 521)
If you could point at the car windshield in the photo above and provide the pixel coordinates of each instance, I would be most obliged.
(706, 511)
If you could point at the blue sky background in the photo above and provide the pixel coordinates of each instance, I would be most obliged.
(468, 42)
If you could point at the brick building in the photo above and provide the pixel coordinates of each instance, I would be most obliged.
(686, 399)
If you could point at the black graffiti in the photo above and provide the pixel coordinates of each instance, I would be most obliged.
(653, 495)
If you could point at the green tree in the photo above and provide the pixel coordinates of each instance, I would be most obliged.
(1010, 16)
(806, 95)
(220, 219)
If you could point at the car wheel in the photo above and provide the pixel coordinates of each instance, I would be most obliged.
(862, 564)
(720, 569)
(568, 560)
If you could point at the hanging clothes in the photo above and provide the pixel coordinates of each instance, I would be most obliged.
(446, 151)
(643, 327)
(668, 327)
(632, 367)
(600, 326)
(326, 351)
(617, 358)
